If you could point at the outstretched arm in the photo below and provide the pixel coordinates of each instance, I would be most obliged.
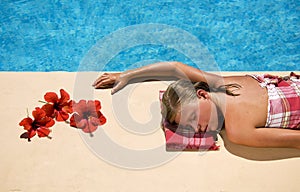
(162, 69)
(266, 137)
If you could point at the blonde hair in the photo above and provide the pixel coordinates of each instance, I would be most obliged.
(183, 91)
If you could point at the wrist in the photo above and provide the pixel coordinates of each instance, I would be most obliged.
(125, 75)
(130, 74)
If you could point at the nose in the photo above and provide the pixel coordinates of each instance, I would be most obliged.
(197, 128)
(200, 128)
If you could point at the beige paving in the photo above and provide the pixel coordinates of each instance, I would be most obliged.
(68, 163)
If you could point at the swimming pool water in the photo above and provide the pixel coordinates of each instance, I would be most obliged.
(55, 35)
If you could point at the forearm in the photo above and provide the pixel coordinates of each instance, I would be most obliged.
(278, 137)
(171, 69)
(156, 70)
(272, 137)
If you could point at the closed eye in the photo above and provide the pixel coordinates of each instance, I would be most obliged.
(187, 129)
(192, 118)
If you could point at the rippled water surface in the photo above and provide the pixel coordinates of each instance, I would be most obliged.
(258, 35)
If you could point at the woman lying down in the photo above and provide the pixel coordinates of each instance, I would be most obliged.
(258, 110)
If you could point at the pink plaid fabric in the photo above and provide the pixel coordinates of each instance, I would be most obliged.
(177, 142)
(284, 100)
(180, 141)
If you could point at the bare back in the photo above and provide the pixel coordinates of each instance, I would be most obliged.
(250, 107)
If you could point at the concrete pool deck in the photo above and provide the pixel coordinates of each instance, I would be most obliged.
(66, 163)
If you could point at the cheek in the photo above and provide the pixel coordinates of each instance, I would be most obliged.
(204, 112)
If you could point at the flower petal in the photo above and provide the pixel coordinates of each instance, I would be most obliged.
(31, 133)
(50, 122)
(61, 116)
(90, 127)
(68, 107)
(64, 96)
(77, 121)
(82, 123)
(72, 120)
(51, 97)
(49, 109)
(26, 123)
(101, 118)
(90, 106)
(41, 119)
(38, 113)
(43, 131)
(97, 104)
(79, 107)
(95, 121)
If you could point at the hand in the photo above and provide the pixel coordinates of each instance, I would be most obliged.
(106, 80)
(109, 80)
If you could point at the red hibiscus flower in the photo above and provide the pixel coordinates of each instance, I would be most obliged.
(58, 108)
(39, 125)
(87, 116)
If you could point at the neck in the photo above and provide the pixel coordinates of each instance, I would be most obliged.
(219, 99)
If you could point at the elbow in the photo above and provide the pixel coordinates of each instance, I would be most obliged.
(239, 139)
(176, 69)
(177, 64)
(174, 64)
(233, 138)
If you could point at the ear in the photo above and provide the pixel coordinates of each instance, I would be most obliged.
(202, 94)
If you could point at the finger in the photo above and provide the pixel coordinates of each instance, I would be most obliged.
(117, 87)
(100, 79)
(104, 84)
(107, 86)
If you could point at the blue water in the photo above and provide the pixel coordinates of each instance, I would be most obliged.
(53, 35)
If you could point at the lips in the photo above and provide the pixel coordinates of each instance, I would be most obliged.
(204, 130)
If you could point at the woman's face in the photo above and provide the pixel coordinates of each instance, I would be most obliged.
(201, 115)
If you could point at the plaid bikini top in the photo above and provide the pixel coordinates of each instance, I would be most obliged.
(284, 100)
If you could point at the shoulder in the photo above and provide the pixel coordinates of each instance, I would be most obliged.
(243, 80)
